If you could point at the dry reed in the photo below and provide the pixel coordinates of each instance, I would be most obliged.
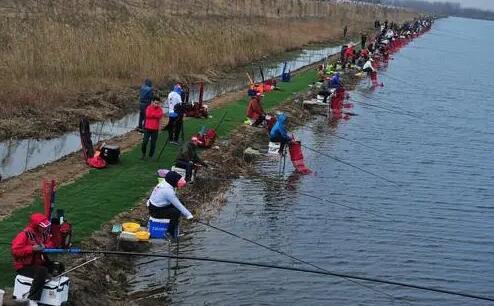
(54, 50)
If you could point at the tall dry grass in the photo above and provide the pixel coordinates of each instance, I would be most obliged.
(54, 49)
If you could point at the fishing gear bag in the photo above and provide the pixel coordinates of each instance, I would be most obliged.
(111, 154)
(92, 157)
(206, 137)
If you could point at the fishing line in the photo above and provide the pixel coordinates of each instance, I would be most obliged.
(384, 108)
(339, 204)
(277, 267)
(354, 141)
(351, 165)
(443, 126)
(357, 142)
(78, 266)
(291, 257)
(449, 52)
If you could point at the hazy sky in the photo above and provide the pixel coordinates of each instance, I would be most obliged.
(482, 4)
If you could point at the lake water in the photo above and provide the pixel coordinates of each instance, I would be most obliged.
(436, 230)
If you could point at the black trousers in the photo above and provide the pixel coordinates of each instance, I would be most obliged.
(174, 127)
(154, 137)
(167, 212)
(188, 166)
(282, 142)
(39, 274)
(325, 94)
(259, 120)
(142, 114)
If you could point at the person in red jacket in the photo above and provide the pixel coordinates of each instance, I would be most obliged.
(27, 248)
(154, 113)
(349, 54)
(255, 112)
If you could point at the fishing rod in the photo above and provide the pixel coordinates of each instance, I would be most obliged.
(409, 114)
(337, 203)
(385, 108)
(277, 267)
(163, 148)
(289, 256)
(357, 142)
(351, 165)
(78, 266)
(220, 122)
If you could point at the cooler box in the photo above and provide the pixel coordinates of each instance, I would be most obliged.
(111, 154)
(55, 292)
(158, 227)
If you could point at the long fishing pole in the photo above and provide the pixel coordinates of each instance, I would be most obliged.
(409, 114)
(277, 267)
(289, 256)
(404, 113)
(78, 266)
(357, 142)
(163, 148)
(220, 122)
(351, 165)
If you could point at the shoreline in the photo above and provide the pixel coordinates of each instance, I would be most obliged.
(70, 196)
(225, 168)
(234, 131)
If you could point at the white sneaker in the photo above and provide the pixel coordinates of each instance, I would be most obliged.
(33, 303)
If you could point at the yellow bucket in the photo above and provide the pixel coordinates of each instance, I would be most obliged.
(143, 235)
(131, 227)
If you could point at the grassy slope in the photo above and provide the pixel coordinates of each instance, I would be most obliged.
(101, 194)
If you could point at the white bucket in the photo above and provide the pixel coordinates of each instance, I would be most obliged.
(1, 296)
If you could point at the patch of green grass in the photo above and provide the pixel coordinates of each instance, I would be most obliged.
(98, 196)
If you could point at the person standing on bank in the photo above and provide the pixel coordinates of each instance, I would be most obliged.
(146, 94)
(154, 113)
(174, 117)
(363, 40)
(164, 203)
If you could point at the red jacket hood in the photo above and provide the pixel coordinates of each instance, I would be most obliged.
(37, 219)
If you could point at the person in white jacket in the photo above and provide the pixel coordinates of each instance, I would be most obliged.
(368, 66)
(164, 203)
(174, 116)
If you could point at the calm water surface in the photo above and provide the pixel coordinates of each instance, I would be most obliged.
(436, 230)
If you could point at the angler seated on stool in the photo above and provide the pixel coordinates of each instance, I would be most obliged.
(188, 159)
(164, 203)
(29, 260)
(255, 112)
(279, 133)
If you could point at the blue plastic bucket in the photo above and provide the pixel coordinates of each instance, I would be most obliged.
(158, 227)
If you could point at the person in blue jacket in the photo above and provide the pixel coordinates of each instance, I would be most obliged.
(146, 94)
(279, 132)
(335, 81)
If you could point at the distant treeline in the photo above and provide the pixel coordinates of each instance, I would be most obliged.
(439, 8)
